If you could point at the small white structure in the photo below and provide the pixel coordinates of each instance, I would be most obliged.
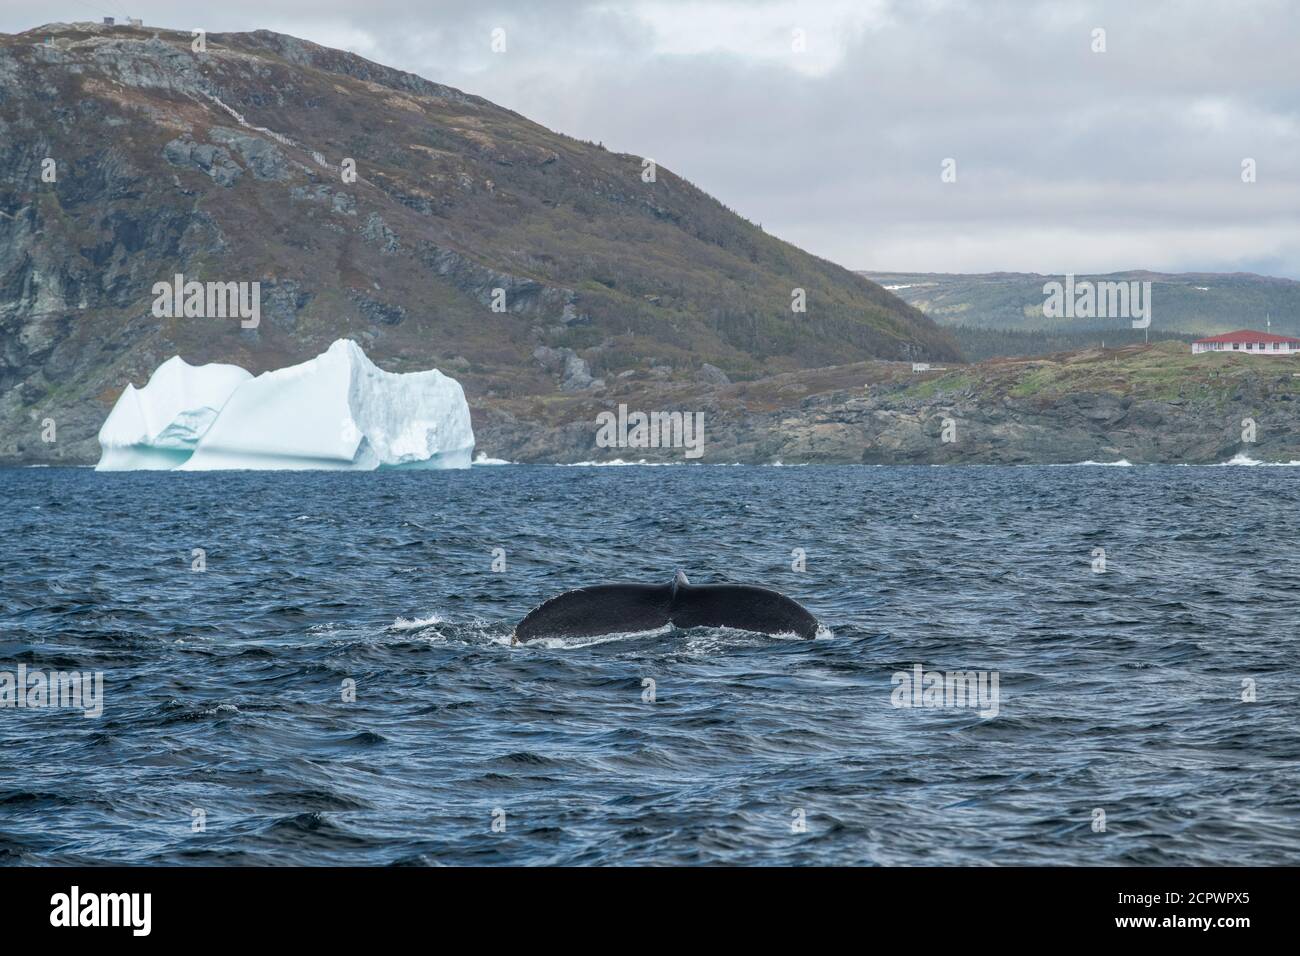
(135, 21)
(920, 366)
(1249, 342)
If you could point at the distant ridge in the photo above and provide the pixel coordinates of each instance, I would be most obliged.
(1187, 302)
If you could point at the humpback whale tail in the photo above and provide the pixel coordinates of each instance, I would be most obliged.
(614, 608)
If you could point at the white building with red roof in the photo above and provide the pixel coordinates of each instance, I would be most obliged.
(1249, 342)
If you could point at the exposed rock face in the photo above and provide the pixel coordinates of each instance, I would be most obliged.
(712, 375)
(213, 160)
(262, 156)
(372, 204)
(577, 374)
(573, 371)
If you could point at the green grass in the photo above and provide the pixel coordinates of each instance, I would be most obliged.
(1163, 372)
(950, 382)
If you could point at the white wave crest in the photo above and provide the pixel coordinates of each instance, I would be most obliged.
(573, 643)
(613, 462)
(402, 624)
(1241, 459)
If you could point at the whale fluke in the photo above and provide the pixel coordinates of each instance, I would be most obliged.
(615, 608)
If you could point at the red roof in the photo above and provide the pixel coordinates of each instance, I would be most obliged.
(1247, 335)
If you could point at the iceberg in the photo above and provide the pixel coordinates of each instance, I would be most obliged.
(336, 411)
(159, 426)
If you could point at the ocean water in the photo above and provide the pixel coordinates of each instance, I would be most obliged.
(1120, 736)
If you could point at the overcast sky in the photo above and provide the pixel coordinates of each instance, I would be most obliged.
(1067, 160)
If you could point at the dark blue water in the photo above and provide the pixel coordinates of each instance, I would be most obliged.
(1119, 692)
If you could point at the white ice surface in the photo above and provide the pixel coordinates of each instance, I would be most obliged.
(339, 411)
(158, 426)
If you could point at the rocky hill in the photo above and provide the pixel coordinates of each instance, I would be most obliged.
(531, 266)
(1143, 403)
